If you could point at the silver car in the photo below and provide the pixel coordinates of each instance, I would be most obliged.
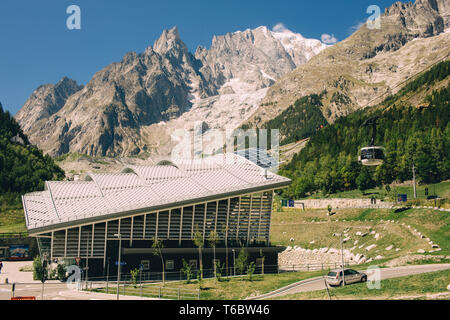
(334, 277)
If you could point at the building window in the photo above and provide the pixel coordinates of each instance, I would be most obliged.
(145, 265)
(169, 265)
(193, 264)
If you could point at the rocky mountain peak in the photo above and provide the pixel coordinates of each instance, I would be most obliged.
(424, 18)
(46, 100)
(169, 41)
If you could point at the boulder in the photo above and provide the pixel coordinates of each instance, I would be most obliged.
(389, 248)
(368, 248)
(420, 251)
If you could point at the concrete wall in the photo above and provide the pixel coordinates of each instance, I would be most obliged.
(340, 203)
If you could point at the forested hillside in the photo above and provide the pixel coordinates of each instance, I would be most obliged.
(412, 133)
(23, 167)
(300, 120)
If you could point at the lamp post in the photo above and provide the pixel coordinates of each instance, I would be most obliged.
(342, 258)
(107, 275)
(118, 235)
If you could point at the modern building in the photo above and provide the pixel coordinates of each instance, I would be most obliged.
(229, 194)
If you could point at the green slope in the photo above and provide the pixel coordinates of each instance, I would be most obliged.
(412, 126)
(23, 168)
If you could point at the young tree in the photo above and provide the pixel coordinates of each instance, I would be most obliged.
(213, 238)
(187, 270)
(157, 251)
(251, 270)
(199, 242)
(242, 261)
(38, 269)
(61, 272)
(134, 275)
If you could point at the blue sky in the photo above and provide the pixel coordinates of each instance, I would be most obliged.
(36, 47)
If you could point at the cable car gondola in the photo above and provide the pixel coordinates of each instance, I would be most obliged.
(371, 155)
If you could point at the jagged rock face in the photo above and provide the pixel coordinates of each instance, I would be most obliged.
(45, 101)
(370, 63)
(258, 57)
(130, 106)
(104, 118)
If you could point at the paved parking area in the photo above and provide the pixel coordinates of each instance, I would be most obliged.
(53, 289)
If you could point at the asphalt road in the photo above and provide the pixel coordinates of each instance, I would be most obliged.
(317, 283)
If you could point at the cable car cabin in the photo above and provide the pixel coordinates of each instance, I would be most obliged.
(371, 156)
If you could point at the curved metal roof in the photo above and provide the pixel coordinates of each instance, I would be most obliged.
(145, 188)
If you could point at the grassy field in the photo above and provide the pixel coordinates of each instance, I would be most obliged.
(441, 189)
(236, 288)
(12, 219)
(421, 286)
(315, 225)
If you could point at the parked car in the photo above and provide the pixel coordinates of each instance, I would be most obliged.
(334, 277)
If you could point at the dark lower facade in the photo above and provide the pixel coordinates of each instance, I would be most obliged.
(237, 222)
(141, 256)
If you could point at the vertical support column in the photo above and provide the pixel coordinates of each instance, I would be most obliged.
(79, 241)
(239, 218)
(157, 225)
(144, 226)
(92, 243)
(204, 220)
(51, 246)
(227, 227)
(118, 226)
(168, 224)
(65, 243)
(217, 213)
(260, 210)
(181, 226)
(249, 218)
(193, 218)
(104, 247)
(270, 217)
(131, 231)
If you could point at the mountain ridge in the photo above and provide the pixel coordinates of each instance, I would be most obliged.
(369, 63)
(116, 112)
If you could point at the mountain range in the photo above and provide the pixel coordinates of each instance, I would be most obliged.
(246, 78)
(121, 110)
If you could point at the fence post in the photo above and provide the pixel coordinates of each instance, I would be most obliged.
(159, 292)
(198, 294)
(179, 292)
